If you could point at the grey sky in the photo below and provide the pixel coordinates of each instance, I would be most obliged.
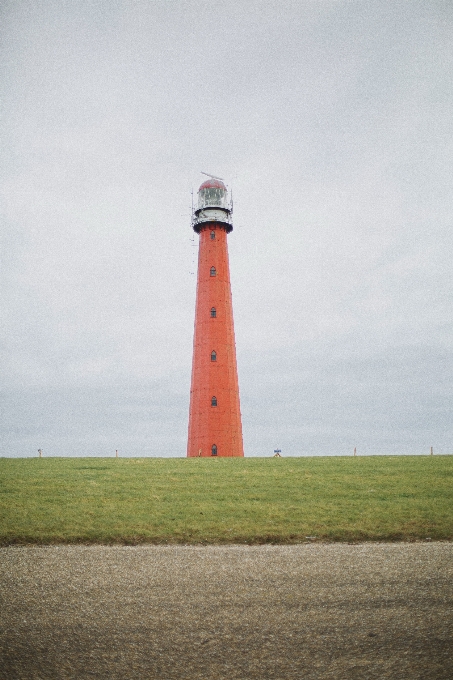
(331, 122)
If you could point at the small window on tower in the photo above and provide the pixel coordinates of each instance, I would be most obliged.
(212, 235)
(213, 356)
(213, 271)
(214, 401)
(213, 450)
(213, 312)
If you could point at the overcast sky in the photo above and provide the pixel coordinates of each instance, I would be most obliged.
(331, 121)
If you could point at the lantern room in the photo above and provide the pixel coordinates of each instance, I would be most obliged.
(212, 193)
(214, 206)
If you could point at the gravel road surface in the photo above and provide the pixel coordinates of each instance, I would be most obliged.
(231, 612)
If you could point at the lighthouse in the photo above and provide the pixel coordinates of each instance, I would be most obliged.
(215, 427)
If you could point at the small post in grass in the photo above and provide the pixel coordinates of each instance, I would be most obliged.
(355, 451)
(40, 453)
(432, 452)
(116, 453)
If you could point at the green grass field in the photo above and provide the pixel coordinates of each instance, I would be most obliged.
(225, 500)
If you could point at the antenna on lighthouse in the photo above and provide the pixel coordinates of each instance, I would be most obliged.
(208, 174)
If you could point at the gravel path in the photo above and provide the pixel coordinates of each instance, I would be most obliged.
(227, 613)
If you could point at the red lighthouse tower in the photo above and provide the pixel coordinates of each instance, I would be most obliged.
(215, 427)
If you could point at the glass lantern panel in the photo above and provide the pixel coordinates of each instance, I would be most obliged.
(212, 196)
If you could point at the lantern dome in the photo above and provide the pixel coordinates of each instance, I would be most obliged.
(213, 184)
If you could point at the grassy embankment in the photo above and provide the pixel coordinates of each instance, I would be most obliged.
(254, 500)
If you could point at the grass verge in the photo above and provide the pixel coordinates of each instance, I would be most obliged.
(225, 500)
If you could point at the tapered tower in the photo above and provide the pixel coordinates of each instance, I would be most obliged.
(215, 427)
